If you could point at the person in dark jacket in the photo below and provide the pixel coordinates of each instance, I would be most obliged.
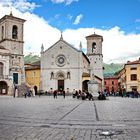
(55, 94)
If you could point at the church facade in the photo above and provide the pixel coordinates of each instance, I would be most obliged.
(11, 53)
(64, 67)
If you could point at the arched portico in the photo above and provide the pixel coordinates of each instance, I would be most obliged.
(60, 81)
(3, 88)
(85, 85)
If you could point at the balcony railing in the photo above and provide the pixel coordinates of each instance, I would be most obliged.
(4, 77)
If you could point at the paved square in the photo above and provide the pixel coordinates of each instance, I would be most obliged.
(46, 118)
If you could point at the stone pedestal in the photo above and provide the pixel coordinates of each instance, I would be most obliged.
(93, 88)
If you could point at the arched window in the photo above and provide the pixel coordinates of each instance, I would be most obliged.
(52, 75)
(14, 32)
(2, 32)
(93, 46)
(1, 68)
(60, 76)
(68, 75)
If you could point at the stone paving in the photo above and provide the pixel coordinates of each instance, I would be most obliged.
(46, 118)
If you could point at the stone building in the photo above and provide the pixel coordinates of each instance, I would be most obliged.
(63, 67)
(129, 76)
(11, 53)
(111, 84)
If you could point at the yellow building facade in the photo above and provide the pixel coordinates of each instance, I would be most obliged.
(129, 76)
(32, 74)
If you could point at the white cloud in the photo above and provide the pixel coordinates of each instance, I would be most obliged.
(67, 2)
(78, 18)
(117, 46)
(137, 20)
(21, 5)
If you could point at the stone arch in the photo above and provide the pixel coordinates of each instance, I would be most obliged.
(3, 88)
(60, 75)
(14, 32)
(93, 46)
(60, 81)
(85, 85)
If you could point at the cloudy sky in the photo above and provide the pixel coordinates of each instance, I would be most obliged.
(118, 21)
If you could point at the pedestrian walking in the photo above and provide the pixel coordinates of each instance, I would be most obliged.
(35, 89)
(15, 88)
(25, 94)
(55, 94)
(64, 94)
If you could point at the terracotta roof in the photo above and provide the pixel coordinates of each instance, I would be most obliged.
(111, 77)
(98, 78)
(32, 66)
(37, 63)
(86, 57)
(133, 62)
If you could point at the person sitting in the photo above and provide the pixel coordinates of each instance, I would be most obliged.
(83, 96)
(90, 97)
(101, 96)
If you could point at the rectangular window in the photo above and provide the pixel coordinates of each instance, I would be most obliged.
(134, 68)
(15, 78)
(133, 77)
(112, 82)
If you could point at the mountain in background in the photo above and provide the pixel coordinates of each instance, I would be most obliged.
(109, 69)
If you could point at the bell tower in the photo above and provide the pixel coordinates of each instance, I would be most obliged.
(11, 38)
(94, 52)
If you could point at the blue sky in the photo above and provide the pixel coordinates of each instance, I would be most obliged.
(94, 13)
(118, 21)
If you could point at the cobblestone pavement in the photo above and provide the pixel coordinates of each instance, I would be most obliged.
(46, 118)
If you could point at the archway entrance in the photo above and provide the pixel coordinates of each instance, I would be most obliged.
(60, 77)
(3, 88)
(60, 85)
(85, 85)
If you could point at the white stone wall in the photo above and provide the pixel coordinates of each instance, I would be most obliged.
(96, 57)
(5, 60)
(73, 65)
(15, 61)
(97, 65)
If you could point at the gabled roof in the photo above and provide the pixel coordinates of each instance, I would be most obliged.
(85, 57)
(11, 17)
(61, 40)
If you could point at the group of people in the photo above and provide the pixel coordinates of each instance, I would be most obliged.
(55, 93)
(86, 95)
(83, 95)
